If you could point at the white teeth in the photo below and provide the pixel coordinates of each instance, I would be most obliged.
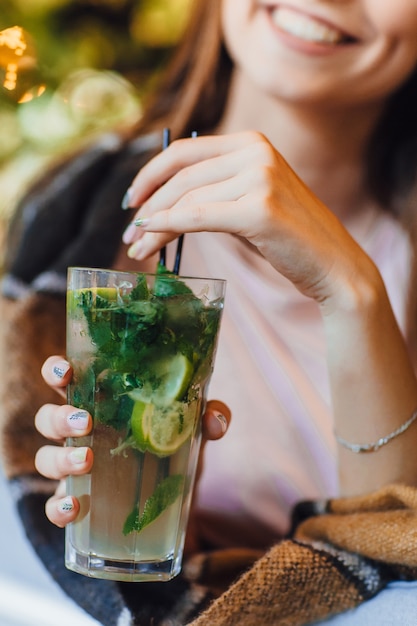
(304, 27)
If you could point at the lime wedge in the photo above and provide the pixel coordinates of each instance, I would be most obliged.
(162, 430)
(108, 293)
(139, 421)
(170, 428)
(170, 379)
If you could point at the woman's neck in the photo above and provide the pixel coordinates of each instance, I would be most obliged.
(325, 147)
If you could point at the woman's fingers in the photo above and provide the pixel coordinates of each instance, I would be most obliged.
(213, 180)
(58, 422)
(182, 154)
(163, 227)
(216, 420)
(196, 188)
(188, 207)
(228, 192)
(225, 178)
(57, 462)
(61, 509)
(167, 225)
(57, 373)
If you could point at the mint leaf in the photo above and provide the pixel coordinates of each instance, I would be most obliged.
(131, 521)
(141, 291)
(168, 284)
(164, 495)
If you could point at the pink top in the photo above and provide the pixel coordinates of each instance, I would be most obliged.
(271, 370)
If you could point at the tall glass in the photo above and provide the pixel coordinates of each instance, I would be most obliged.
(142, 347)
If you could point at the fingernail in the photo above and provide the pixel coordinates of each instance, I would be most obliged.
(129, 233)
(78, 455)
(134, 250)
(60, 369)
(126, 199)
(142, 221)
(66, 505)
(222, 421)
(78, 420)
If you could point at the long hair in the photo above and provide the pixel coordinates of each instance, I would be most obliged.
(392, 150)
(192, 92)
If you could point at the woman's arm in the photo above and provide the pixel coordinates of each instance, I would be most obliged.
(373, 385)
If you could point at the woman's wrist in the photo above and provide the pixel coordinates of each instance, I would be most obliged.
(360, 291)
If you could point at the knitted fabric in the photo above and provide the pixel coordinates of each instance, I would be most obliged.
(336, 560)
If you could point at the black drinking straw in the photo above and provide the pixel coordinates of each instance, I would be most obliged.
(166, 139)
(176, 269)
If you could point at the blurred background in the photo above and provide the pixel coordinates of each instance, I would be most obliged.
(68, 69)
(71, 68)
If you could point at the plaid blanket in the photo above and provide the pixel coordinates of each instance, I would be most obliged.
(342, 553)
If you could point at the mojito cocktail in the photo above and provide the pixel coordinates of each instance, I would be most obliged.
(142, 349)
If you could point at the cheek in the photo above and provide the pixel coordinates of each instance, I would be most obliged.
(393, 17)
(231, 19)
(236, 18)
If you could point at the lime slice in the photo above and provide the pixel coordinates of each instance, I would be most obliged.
(108, 293)
(169, 429)
(162, 430)
(170, 379)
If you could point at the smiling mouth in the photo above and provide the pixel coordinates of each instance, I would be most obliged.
(307, 28)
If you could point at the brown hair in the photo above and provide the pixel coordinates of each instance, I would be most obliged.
(193, 90)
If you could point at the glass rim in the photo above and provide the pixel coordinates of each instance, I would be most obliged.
(170, 275)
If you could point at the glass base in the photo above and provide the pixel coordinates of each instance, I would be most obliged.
(95, 566)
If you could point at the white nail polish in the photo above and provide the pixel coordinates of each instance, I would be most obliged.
(134, 249)
(78, 420)
(129, 233)
(66, 505)
(60, 369)
(126, 199)
(222, 421)
(78, 455)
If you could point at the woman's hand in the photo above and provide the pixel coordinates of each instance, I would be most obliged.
(56, 422)
(240, 184)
